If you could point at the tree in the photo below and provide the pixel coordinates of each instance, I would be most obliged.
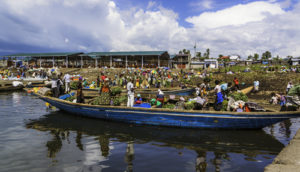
(207, 54)
(198, 54)
(250, 57)
(220, 55)
(266, 55)
(256, 57)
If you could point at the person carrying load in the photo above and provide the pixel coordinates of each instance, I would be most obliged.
(219, 96)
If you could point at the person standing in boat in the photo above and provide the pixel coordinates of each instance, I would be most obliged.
(160, 96)
(67, 80)
(54, 87)
(98, 81)
(80, 97)
(130, 92)
(288, 87)
(219, 96)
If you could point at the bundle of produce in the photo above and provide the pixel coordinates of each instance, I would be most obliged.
(73, 85)
(190, 105)
(294, 91)
(239, 96)
(169, 106)
(104, 99)
(115, 90)
(71, 98)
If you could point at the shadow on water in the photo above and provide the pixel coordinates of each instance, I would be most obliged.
(250, 143)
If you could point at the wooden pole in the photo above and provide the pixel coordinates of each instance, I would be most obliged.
(67, 61)
(53, 61)
(81, 61)
(110, 64)
(40, 62)
(126, 63)
(158, 61)
(142, 61)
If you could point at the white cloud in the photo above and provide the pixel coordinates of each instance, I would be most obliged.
(202, 5)
(236, 15)
(99, 25)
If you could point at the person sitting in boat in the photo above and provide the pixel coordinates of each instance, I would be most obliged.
(80, 97)
(138, 99)
(105, 87)
(200, 102)
(183, 86)
(197, 89)
(160, 96)
(219, 96)
(155, 103)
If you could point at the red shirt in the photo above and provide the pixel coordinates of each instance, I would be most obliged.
(236, 81)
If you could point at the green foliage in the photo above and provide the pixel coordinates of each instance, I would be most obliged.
(73, 85)
(266, 55)
(189, 105)
(116, 102)
(256, 57)
(123, 99)
(71, 98)
(115, 90)
(169, 106)
(224, 105)
(239, 96)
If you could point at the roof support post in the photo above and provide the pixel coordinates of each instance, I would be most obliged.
(126, 63)
(142, 61)
(67, 61)
(16, 62)
(81, 62)
(96, 66)
(110, 63)
(53, 61)
(158, 61)
(40, 62)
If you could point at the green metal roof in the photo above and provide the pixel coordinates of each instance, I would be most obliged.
(43, 54)
(127, 53)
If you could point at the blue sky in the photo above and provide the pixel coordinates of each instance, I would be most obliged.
(226, 27)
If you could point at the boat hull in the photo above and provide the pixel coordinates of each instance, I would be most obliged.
(176, 118)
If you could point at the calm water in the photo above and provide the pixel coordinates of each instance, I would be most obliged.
(34, 139)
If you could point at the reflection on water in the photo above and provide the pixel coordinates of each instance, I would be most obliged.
(32, 139)
(251, 144)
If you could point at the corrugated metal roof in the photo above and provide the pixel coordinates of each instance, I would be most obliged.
(127, 53)
(43, 54)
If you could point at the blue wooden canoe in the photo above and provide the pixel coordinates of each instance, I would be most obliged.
(174, 118)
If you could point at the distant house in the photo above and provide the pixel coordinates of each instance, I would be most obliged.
(231, 58)
(211, 63)
(197, 64)
(235, 58)
(180, 61)
(295, 61)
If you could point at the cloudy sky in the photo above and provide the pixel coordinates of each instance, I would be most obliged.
(226, 27)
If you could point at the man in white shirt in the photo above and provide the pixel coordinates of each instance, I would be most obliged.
(67, 80)
(130, 92)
